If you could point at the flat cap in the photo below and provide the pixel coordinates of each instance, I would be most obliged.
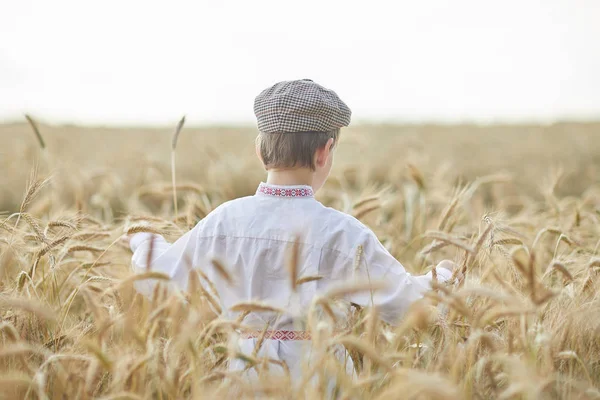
(299, 106)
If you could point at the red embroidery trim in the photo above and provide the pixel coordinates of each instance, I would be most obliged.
(277, 335)
(281, 192)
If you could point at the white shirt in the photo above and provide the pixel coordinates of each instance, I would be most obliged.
(252, 237)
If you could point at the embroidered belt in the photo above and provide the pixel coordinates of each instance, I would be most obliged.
(277, 335)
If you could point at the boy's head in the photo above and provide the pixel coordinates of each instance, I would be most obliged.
(299, 123)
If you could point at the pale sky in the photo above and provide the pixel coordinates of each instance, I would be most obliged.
(131, 62)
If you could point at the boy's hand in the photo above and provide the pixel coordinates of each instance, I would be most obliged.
(447, 264)
(453, 268)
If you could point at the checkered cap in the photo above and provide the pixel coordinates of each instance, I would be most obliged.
(300, 106)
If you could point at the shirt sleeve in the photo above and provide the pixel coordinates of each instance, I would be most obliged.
(377, 264)
(152, 252)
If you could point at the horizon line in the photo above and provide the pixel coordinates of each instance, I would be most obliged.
(584, 120)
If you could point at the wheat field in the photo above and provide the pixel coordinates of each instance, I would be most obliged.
(516, 207)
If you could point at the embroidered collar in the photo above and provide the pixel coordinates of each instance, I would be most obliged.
(285, 191)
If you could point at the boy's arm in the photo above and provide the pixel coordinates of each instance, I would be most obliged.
(377, 264)
(153, 253)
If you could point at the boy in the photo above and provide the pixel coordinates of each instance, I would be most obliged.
(299, 123)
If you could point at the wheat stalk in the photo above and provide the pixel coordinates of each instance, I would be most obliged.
(28, 305)
(351, 288)
(173, 151)
(35, 226)
(222, 271)
(417, 176)
(308, 278)
(364, 348)
(52, 245)
(364, 201)
(83, 247)
(36, 131)
(142, 228)
(90, 235)
(365, 210)
(292, 263)
(255, 306)
(444, 237)
(507, 242)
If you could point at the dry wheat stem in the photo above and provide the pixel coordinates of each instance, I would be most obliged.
(522, 325)
(443, 237)
(222, 271)
(173, 151)
(364, 201)
(36, 131)
(292, 262)
(308, 278)
(142, 228)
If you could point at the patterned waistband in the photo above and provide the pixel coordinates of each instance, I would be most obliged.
(277, 335)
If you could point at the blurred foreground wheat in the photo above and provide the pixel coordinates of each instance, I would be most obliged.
(524, 323)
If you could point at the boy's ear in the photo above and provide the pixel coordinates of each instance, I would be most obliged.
(257, 148)
(323, 153)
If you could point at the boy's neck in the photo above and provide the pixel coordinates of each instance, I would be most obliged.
(289, 177)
